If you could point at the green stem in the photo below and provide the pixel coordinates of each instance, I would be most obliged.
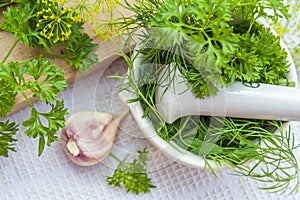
(244, 4)
(115, 157)
(26, 98)
(9, 52)
(2, 4)
(141, 95)
(181, 128)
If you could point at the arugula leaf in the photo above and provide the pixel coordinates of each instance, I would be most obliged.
(46, 124)
(7, 130)
(133, 176)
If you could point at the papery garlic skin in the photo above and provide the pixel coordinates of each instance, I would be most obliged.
(88, 136)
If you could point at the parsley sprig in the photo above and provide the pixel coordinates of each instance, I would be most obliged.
(212, 43)
(7, 131)
(47, 25)
(44, 82)
(132, 175)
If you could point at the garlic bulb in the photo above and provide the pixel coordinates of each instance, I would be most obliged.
(88, 136)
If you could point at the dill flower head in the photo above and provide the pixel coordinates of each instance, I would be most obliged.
(106, 4)
(90, 9)
(54, 21)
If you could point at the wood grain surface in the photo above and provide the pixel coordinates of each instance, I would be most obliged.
(107, 52)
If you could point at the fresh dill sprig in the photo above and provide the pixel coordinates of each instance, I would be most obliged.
(236, 142)
(258, 149)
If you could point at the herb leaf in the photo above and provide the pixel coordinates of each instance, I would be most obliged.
(82, 49)
(45, 82)
(18, 20)
(213, 42)
(48, 25)
(46, 124)
(7, 97)
(7, 131)
(132, 176)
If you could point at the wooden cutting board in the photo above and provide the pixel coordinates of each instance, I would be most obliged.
(106, 52)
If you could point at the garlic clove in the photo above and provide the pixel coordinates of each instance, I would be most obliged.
(88, 137)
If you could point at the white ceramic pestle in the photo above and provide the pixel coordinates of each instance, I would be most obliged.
(269, 102)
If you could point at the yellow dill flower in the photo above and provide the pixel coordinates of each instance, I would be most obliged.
(68, 34)
(58, 19)
(77, 18)
(56, 40)
(55, 21)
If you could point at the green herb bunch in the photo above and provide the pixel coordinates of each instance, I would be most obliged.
(233, 142)
(259, 149)
(212, 43)
(48, 26)
(132, 175)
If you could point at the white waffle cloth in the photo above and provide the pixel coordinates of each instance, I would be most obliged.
(24, 175)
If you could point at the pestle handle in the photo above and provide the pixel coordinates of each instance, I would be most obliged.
(267, 102)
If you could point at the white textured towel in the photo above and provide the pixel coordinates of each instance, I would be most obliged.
(24, 175)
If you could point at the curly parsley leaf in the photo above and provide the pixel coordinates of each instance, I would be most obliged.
(7, 131)
(7, 98)
(259, 59)
(45, 82)
(82, 49)
(254, 9)
(132, 176)
(43, 79)
(214, 42)
(46, 124)
(21, 21)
